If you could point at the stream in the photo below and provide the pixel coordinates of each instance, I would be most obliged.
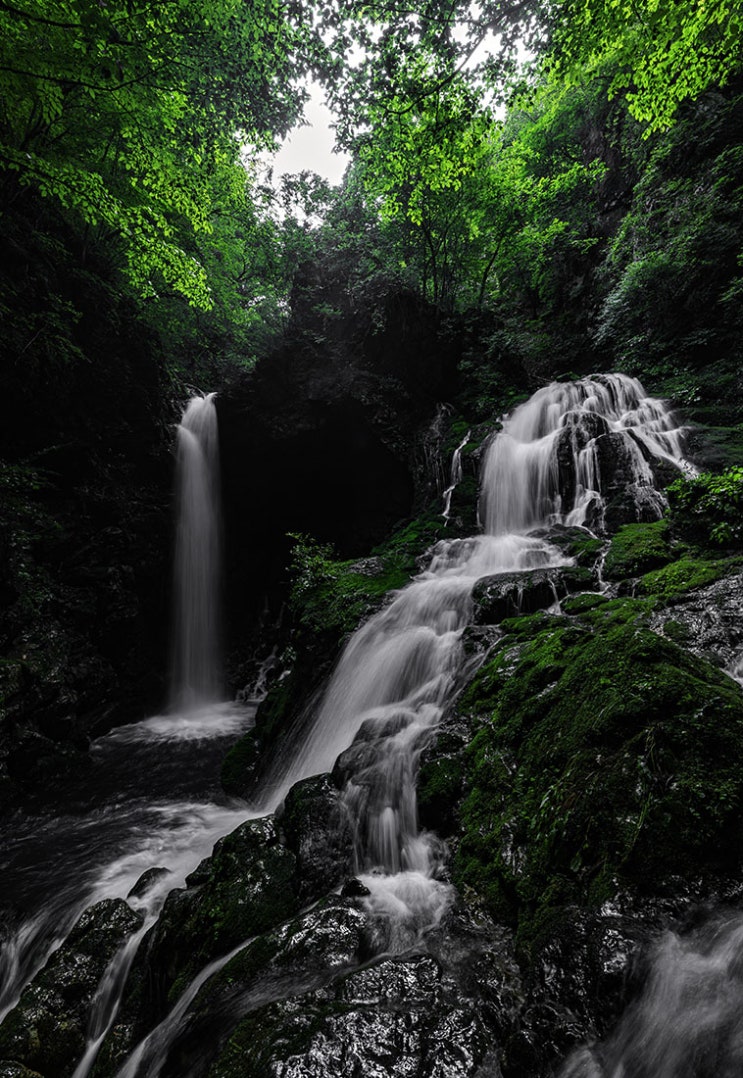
(151, 798)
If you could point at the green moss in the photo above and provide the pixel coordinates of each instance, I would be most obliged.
(580, 604)
(638, 548)
(684, 575)
(578, 544)
(331, 596)
(604, 752)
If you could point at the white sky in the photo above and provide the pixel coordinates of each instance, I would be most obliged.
(311, 147)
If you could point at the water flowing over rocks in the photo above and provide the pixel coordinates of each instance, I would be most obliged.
(471, 837)
(47, 1030)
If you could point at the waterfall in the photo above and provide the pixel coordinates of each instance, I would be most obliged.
(195, 677)
(546, 465)
(551, 463)
(455, 476)
(399, 671)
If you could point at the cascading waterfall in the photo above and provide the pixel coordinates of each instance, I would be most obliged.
(392, 684)
(546, 464)
(399, 671)
(195, 678)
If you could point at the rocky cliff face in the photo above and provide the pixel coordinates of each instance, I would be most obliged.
(327, 438)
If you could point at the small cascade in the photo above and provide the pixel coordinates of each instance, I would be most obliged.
(686, 1023)
(455, 476)
(551, 462)
(195, 678)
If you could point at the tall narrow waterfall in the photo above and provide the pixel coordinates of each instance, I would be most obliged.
(550, 464)
(195, 678)
(561, 458)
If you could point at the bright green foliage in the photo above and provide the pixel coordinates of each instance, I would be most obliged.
(711, 505)
(473, 207)
(129, 117)
(663, 53)
(673, 265)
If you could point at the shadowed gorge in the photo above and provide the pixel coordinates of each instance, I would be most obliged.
(371, 552)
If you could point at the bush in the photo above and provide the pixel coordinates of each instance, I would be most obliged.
(709, 505)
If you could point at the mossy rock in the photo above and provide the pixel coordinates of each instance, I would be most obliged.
(439, 791)
(506, 595)
(605, 753)
(684, 575)
(637, 549)
(247, 887)
(48, 1027)
(240, 765)
(318, 831)
(574, 542)
(581, 604)
(312, 950)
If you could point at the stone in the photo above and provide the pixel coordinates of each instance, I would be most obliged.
(48, 1027)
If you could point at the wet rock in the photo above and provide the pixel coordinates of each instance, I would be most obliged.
(246, 887)
(628, 499)
(307, 953)
(363, 754)
(441, 777)
(577, 543)
(147, 880)
(318, 832)
(707, 621)
(354, 888)
(397, 1017)
(508, 595)
(47, 1029)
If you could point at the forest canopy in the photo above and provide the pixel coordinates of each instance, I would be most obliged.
(477, 177)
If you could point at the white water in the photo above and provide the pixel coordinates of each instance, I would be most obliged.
(545, 465)
(686, 1024)
(392, 684)
(195, 678)
(399, 671)
(455, 476)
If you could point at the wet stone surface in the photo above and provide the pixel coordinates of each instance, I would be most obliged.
(47, 1030)
(401, 1017)
(708, 621)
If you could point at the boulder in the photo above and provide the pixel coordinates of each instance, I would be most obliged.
(47, 1030)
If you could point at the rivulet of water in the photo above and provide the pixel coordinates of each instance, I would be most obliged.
(455, 476)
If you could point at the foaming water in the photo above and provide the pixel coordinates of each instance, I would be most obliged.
(546, 464)
(686, 1023)
(213, 721)
(399, 671)
(150, 800)
(195, 677)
